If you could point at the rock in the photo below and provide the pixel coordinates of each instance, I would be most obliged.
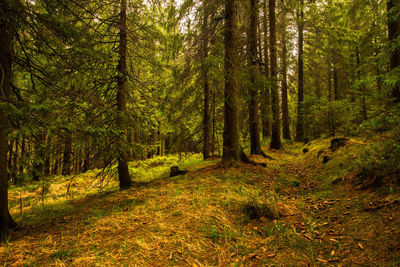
(326, 159)
(305, 150)
(175, 171)
(263, 210)
(337, 143)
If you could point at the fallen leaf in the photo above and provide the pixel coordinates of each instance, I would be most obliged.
(271, 255)
(332, 253)
(360, 245)
(322, 260)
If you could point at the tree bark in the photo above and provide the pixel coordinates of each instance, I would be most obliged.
(393, 8)
(255, 145)
(7, 27)
(285, 105)
(66, 168)
(267, 125)
(276, 131)
(206, 85)
(300, 88)
(125, 181)
(231, 143)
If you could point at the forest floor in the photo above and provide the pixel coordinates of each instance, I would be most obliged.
(319, 216)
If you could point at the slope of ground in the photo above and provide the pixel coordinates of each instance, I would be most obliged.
(210, 217)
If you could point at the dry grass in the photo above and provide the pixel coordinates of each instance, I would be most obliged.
(199, 219)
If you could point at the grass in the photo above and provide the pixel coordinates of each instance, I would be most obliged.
(199, 219)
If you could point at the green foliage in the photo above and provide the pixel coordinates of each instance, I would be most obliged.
(381, 160)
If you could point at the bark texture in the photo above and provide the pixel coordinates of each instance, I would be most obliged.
(393, 8)
(300, 86)
(254, 127)
(206, 85)
(125, 181)
(7, 27)
(231, 143)
(276, 131)
(267, 125)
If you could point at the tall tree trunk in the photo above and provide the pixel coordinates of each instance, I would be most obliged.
(86, 160)
(66, 168)
(22, 157)
(300, 94)
(7, 27)
(285, 105)
(47, 157)
(255, 146)
(276, 129)
(125, 181)
(206, 85)
(266, 97)
(362, 88)
(335, 83)
(330, 115)
(231, 144)
(393, 9)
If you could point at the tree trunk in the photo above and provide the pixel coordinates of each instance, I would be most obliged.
(7, 26)
(66, 168)
(393, 9)
(300, 95)
(47, 157)
(125, 181)
(22, 156)
(285, 105)
(231, 144)
(38, 167)
(255, 146)
(362, 88)
(267, 125)
(330, 115)
(206, 85)
(276, 131)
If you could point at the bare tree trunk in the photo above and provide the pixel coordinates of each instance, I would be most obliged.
(362, 88)
(7, 26)
(285, 105)
(231, 144)
(393, 7)
(66, 168)
(276, 129)
(125, 181)
(47, 157)
(300, 95)
(206, 85)
(255, 146)
(266, 96)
